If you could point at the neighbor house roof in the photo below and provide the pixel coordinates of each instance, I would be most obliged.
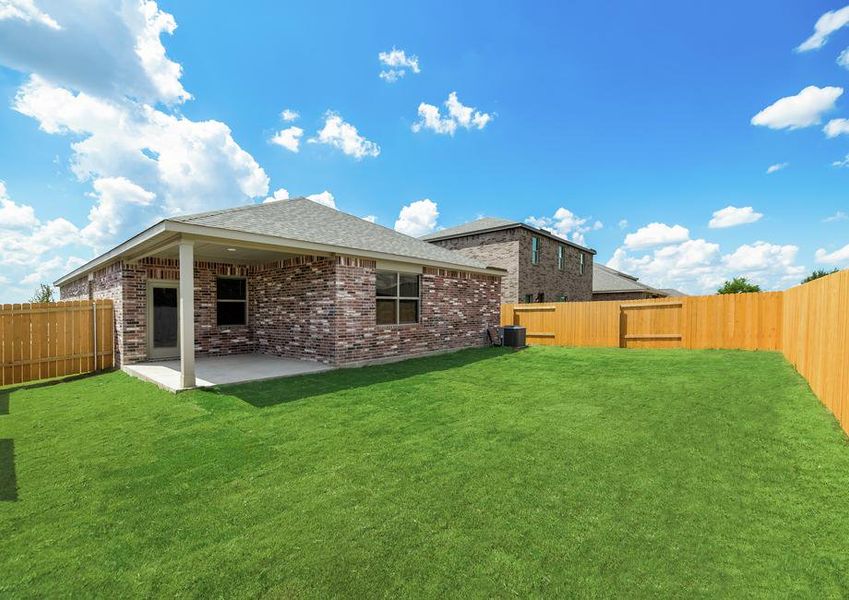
(298, 224)
(487, 224)
(608, 281)
(673, 293)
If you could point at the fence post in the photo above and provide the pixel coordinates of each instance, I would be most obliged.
(94, 330)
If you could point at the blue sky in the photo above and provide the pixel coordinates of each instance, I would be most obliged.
(619, 126)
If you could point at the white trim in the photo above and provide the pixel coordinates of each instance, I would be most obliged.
(186, 295)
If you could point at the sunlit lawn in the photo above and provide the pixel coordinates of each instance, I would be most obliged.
(547, 472)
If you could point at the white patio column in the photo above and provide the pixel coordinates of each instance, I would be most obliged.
(187, 314)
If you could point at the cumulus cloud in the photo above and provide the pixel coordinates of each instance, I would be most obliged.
(656, 234)
(397, 62)
(289, 115)
(190, 165)
(417, 218)
(731, 216)
(115, 198)
(289, 138)
(776, 167)
(28, 248)
(836, 127)
(278, 195)
(698, 266)
(566, 224)
(802, 110)
(345, 137)
(840, 256)
(838, 216)
(824, 27)
(370, 218)
(623, 223)
(26, 11)
(96, 47)
(325, 198)
(457, 115)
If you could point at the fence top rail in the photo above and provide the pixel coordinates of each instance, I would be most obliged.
(652, 305)
(56, 306)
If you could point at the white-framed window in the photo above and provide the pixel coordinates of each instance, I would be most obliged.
(561, 257)
(534, 250)
(581, 258)
(231, 300)
(398, 298)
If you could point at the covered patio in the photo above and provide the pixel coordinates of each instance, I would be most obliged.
(220, 370)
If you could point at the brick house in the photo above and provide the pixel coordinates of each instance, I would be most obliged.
(291, 279)
(541, 266)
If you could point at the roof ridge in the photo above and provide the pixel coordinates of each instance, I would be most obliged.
(232, 209)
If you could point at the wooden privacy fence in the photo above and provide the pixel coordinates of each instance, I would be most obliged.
(38, 341)
(808, 323)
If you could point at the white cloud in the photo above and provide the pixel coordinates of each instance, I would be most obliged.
(836, 257)
(802, 110)
(49, 270)
(838, 216)
(397, 63)
(843, 163)
(12, 215)
(623, 223)
(776, 167)
(698, 266)
(417, 218)
(457, 114)
(278, 195)
(370, 218)
(189, 165)
(731, 216)
(843, 59)
(116, 197)
(656, 234)
(26, 11)
(836, 127)
(102, 49)
(824, 27)
(289, 115)
(325, 198)
(345, 137)
(566, 224)
(289, 138)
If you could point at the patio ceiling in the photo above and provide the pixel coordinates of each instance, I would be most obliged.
(228, 252)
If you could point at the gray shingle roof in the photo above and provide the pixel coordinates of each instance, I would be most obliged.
(606, 279)
(471, 227)
(494, 223)
(307, 221)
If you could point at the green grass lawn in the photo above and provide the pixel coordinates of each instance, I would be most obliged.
(547, 472)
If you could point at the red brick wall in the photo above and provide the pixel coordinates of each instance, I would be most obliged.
(311, 308)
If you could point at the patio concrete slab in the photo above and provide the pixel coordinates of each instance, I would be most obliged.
(220, 370)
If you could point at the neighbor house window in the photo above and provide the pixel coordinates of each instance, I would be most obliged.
(560, 257)
(529, 298)
(534, 250)
(397, 298)
(581, 254)
(232, 301)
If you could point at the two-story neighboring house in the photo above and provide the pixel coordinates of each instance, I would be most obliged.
(541, 266)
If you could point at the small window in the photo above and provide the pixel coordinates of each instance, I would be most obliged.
(560, 257)
(529, 298)
(581, 255)
(534, 250)
(397, 298)
(231, 301)
(561, 297)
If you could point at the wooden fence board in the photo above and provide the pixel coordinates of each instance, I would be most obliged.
(38, 341)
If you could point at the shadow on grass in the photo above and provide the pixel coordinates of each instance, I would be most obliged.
(262, 394)
(8, 480)
(4, 402)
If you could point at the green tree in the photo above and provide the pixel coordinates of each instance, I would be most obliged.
(44, 293)
(738, 285)
(817, 274)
